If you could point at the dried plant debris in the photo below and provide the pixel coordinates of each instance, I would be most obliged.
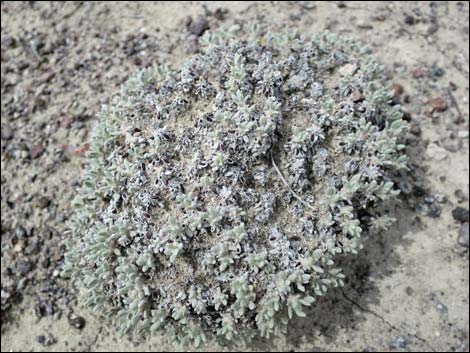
(216, 197)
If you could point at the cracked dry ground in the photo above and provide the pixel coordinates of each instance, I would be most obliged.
(60, 61)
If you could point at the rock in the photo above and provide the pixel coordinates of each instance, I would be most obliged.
(436, 152)
(7, 132)
(438, 72)
(43, 202)
(409, 20)
(192, 44)
(434, 211)
(309, 5)
(220, 13)
(364, 24)
(76, 321)
(461, 215)
(442, 308)
(415, 129)
(8, 41)
(460, 195)
(347, 70)
(398, 342)
(19, 246)
(36, 151)
(32, 248)
(463, 134)
(380, 18)
(418, 72)
(398, 89)
(433, 28)
(186, 21)
(357, 96)
(438, 104)
(463, 235)
(198, 26)
(48, 340)
(20, 232)
(407, 116)
(24, 267)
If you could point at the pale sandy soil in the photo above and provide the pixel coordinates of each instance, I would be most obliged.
(409, 290)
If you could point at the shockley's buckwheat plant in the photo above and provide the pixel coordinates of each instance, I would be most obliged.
(217, 196)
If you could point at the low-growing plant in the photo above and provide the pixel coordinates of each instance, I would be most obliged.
(217, 197)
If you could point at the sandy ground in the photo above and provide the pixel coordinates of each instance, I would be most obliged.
(408, 290)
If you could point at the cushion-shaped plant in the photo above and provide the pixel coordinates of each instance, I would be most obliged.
(217, 196)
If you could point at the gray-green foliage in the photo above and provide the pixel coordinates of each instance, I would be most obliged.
(216, 197)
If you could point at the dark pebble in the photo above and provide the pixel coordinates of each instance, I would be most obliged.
(438, 72)
(24, 267)
(46, 262)
(463, 235)
(220, 14)
(48, 340)
(199, 26)
(76, 321)
(407, 116)
(434, 211)
(461, 215)
(409, 20)
(43, 202)
(415, 129)
(459, 194)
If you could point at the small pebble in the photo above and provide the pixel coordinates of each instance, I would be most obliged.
(409, 20)
(438, 104)
(398, 342)
(463, 134)
(24, 267)
(48, 340)
(442, 308)
(347, 70)
(76, 321)
(309, 5)
(461, 215)
(436, 152)
(418, 72)
(438, 72)
(434, 211)
(357, 96)
(43, 202)
(199, 26)
(463, 235)
(7, 132)
(36, 151)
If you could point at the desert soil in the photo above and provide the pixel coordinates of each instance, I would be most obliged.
(407, 291)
